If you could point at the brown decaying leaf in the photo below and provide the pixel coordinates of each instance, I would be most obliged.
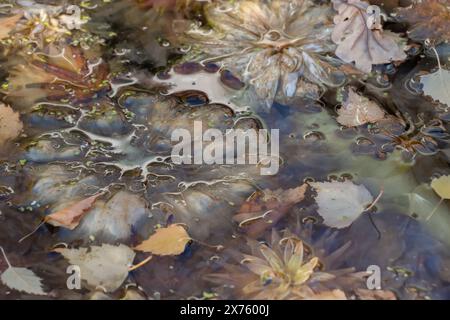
(71, 216)
(358, 110)
(264, 210)
(166, 241)
(428, 19)
(7, 25)
(10, 124)
(361, 39)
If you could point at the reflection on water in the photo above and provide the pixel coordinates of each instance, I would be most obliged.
(98, 117)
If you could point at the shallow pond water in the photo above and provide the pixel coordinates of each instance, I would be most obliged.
(101, 86)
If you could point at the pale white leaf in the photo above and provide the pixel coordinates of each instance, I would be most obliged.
(341, 203)
(22, 279)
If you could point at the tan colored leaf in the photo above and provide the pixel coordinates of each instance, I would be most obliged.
(10, 124)
(365, 294)
(361, 38)
(264, 210)
(335, 294)
(341, 203)
(103, 266)
(358, 110)
(71, 216)
(428, 19)
(166, 241)
(8, 24)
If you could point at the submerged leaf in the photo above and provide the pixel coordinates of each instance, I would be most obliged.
(265, 210)
(166, 241)
(101, 266)
(275, 46)
(10, 124)
(428, 19)
(358, 110)
(361, 38)
(7, 25)
(341, 203)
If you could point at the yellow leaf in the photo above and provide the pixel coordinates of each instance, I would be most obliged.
(442, 187)
(166, 241)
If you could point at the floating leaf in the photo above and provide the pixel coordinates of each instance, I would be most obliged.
(101, 266)
(10, 124)
(358, 110)
(21, 279)
(264, 210)
(361, 38)
(341, 203)
(436, 85)
(166, 241)
(71, 216)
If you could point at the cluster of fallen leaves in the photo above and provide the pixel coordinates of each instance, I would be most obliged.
(340, 203)
(106, 266)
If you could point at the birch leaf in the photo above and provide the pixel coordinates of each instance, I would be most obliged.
(341, 203)
(436, 85)
(21, 279)
(71, 216)
(166, 241)
(361, 39)
(10, 124)
(358, 110)
(103, 266)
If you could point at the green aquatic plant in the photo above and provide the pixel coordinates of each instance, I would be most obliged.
(278, 47)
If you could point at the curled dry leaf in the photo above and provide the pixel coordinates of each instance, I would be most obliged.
(341, 203)
(103, 266)
(71, 216)
(360, 36)
(10, 124)
(21, 279)
(358, 110)
(428, 19)
(166, 241)
(265, 209)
